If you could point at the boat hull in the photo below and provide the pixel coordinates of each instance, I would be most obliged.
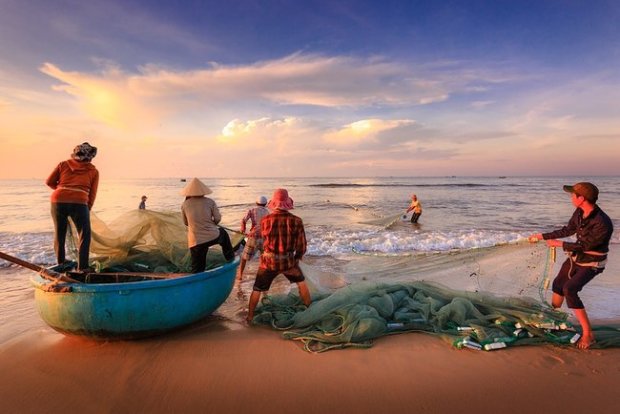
(134, 309)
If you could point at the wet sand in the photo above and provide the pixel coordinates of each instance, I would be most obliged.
(222, 367)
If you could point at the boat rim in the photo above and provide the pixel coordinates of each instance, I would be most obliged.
(40, 283)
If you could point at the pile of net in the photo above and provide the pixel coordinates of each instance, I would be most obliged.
(496, 300)
(356, 314)
(145, 241)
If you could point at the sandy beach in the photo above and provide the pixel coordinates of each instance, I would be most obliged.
(218, 366)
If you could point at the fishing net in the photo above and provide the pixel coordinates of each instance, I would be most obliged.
(145, 241)
(385, 221)
(496, 300)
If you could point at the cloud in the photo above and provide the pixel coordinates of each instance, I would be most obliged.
(117, 97)
(263, 128)
(367, 133)
(110, 97)
(481, 104)
(279, 136)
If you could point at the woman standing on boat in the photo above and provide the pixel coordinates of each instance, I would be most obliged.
(75, 183)
(201, 216)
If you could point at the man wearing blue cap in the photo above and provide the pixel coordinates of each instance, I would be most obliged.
(587, 254)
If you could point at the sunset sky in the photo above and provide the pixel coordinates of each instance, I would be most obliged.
(311, 88)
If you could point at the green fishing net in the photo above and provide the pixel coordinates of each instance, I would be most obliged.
(145, 241)
(366, 301)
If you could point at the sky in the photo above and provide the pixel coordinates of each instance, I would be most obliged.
(311, 88)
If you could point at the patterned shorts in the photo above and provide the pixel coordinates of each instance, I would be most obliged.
(251, 245)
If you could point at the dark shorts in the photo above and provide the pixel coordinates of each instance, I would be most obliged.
(571, 279)
(265, 277)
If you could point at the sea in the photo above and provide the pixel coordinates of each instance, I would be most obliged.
(342, 218)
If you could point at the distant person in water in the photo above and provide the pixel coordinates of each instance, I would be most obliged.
(201, 216)
(284, 244)
(416, 207)
(75, 183)
(587, 254)
(254, 238)
(142, 205)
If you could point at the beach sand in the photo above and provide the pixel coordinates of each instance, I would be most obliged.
(222, 367)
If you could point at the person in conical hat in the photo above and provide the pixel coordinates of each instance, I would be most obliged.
(284, 245)
(254, 239)
(75, 182)
(201, 216)
(195, 188)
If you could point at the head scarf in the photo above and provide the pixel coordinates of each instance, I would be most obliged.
(84, 152)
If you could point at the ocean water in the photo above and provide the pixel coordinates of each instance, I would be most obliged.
(459, 214)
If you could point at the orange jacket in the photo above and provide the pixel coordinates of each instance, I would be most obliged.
(74, 182)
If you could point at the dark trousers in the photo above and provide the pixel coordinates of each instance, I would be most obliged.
(199, 251)
(571, 279)
(415, 217)
(80, 215)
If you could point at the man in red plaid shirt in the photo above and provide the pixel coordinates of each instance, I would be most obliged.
(284, 244)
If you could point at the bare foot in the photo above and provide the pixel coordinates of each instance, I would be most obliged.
(585, 342)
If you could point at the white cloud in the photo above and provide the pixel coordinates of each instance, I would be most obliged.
(117, 97)
(363, 132)
(481, 104)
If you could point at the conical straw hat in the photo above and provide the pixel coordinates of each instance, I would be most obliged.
(195, 188)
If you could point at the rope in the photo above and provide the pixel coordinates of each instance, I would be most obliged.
(543, 286)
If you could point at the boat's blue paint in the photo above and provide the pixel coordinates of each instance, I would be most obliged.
(134, 309)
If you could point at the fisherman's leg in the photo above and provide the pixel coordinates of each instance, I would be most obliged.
(81, 218)
(581, 276)
(557, 300)
(304, 293)
(295, 275)
(254, 298)
(587, 336)
(558, 284)
(241, 269)
(248, 253)
(60, 231)
(199, 257)
(262, 283)
(227, 249)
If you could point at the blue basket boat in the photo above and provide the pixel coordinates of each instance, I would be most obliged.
(132, 309)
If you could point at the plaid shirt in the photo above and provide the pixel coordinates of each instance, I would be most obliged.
(255, 215)
(284, 240)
